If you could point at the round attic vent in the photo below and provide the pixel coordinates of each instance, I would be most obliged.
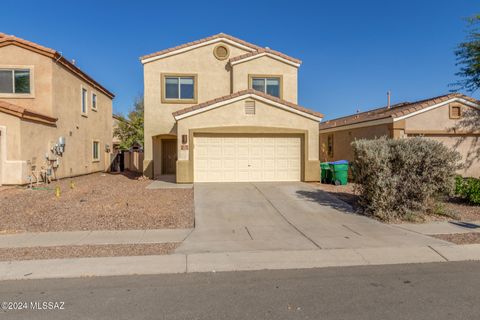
(221, 52)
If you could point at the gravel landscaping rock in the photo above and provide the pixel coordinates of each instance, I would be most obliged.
(63, 252)
(453, 208)
(460, 238)
(99, 201)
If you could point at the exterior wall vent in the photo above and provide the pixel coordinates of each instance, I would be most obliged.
(250, 107)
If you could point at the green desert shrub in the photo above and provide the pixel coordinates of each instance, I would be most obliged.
(468, 189)
(396, 179)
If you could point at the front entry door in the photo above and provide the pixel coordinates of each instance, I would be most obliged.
(169, 156)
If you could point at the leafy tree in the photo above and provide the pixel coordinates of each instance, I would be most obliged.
(468, 58)
(130, 129)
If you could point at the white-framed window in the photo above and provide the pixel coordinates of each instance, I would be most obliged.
(268, 85)
(96, 150)
(94, 101)
(84, 100)
(15, 81)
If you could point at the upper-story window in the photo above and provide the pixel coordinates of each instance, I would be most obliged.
(267, 84)
(16, 81)
(179, 88)
(94, 101)
(84, 97)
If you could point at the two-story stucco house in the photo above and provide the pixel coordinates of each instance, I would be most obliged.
(55, 120)
(222, 109)
(452, 119)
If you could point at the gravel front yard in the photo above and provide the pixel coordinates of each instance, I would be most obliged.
(95, 202)
(454, 209)
(63, 252)
(460, 238)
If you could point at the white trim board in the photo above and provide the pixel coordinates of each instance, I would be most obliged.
(246, 96)
(468, 103)
(267, 54)
(358, 125)
(194, 46)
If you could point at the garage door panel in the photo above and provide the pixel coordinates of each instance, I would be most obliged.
(245, 159)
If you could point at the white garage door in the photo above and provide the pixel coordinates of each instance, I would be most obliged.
(238, 159)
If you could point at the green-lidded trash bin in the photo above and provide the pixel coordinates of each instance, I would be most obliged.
(326, 173)
(339, 172)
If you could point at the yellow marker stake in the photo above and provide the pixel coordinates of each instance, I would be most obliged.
(72, 185)
(57, 192)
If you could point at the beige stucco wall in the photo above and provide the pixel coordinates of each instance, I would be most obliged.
(11, 167)
(462, 135)
(342, 139)
(28, 142)
(213, 78)
(41, 67)
(232, 119)
(437, 119)
(267, 66)
(469, 149)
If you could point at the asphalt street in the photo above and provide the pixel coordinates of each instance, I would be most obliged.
(415, 291)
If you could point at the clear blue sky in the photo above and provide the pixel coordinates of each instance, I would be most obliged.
(352, 51)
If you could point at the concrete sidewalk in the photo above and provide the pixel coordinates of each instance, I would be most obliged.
(233, 261)
(48, 239)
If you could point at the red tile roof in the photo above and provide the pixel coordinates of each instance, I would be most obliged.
(6, 40)
(246, 92)
(24, 113)
(395, 111)
(256, 48)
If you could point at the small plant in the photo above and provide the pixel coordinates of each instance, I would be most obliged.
(400, 178)
(468, 189)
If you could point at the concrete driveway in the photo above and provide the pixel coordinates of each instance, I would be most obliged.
(284, 216)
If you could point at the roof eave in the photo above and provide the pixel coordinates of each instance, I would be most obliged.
(179, 115)
(296, 63)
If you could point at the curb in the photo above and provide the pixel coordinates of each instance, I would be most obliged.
(232, 261)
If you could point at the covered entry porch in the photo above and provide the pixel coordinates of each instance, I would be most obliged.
(164, 157)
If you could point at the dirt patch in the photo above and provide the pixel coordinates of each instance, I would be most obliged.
(450, 209)
(463, 210)
(460, 238)
(345, 193)
(95, 202)
(88, 251)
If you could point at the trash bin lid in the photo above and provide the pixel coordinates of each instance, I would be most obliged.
(339, 162)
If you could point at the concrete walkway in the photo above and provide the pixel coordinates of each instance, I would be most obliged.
(233, 217)
(232, 261)
(46, 239)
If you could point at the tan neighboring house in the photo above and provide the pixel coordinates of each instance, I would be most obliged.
(221, 109)
(55, 120)
(453, 119)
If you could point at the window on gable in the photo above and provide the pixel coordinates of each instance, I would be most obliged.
(15, 81)
(179, 87)
(268, 85)
(455, 112)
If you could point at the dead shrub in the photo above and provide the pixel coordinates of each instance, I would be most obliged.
(398, 178)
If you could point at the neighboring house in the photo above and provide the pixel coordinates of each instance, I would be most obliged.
(55, 120)
(222, 109)
(453, 119)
